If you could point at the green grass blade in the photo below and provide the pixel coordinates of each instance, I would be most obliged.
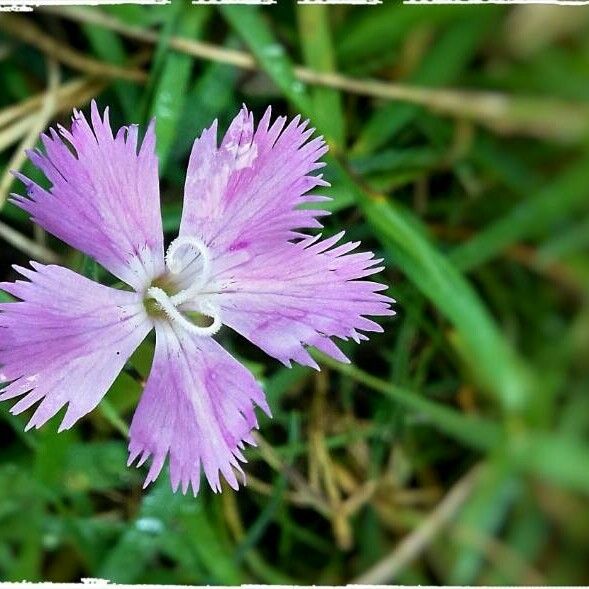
(109, 47)
(475, 432)
(562, 197)
(442, 65)
(383, 28)
(248, 23)
(169, 94)
(552, 458)
(212, 95)
(318, 53)
(483, 514)
(494, 363)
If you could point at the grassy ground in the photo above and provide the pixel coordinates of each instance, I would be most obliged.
(454, 449)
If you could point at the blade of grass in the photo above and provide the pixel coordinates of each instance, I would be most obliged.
(248, 23)
(527, 536)
(383, 27)
(568, 192)
(442, 65)
(576, 239)
(170, 90)
(163, 517)
(475, 432)
(212, 94)
(109, 47)
(484, 512)
(27, 245)
(544, 118)
(414, 543)
(503, 163)
(257, 529)
(19, 157)
(204, 538)
(27, 31)
(552, 457)
(318, 53)
(495, 365)
(390, 160)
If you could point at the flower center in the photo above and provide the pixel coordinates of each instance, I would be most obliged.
(180, 260)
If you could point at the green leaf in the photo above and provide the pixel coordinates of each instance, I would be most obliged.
(96, 466)
(202, 536)
(165, 521)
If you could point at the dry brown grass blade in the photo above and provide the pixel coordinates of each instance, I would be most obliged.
(13, 133)
(538, 117)
(319, 455)
(190, 47)
(17, 111)
(293, 497)
(42, 118)
(65, 97)
(75, 97)
(28, 246)
(360, 498)
(311, 497)
(502, 556)
(23, 29)
(417, 541)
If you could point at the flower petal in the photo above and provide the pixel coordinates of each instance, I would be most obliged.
(198, 407)
(302, 294)
(65, 341)
(244, 194)
(104, 198)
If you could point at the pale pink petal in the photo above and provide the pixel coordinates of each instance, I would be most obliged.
(198, 408)
(302, 294)
(245, 194)
(65, 341)
(104, 195)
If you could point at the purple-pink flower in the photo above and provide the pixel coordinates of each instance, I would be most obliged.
(241, 260)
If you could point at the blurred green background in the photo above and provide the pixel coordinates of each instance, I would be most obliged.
(454, 450)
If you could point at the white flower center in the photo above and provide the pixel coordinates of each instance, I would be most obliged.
(176, 265)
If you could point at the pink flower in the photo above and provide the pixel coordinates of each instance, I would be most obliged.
(240, 260)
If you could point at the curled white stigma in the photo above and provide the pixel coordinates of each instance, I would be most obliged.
(169, 304)
(166, 305)
(175, 266)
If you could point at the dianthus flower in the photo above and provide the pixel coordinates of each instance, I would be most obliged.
(240, 260)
